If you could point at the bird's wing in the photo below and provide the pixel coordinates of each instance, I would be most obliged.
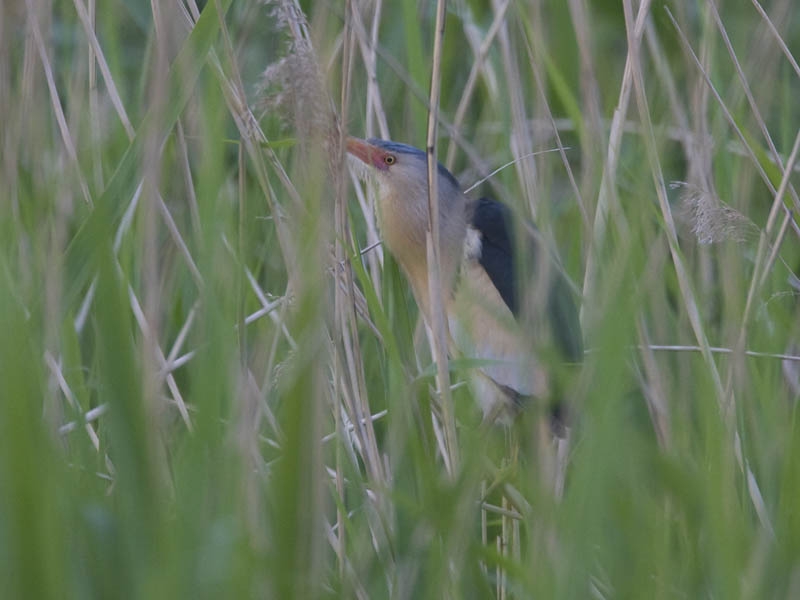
(496, 255)
(492, 220)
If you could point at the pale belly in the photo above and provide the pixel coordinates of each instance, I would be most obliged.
(482, 327)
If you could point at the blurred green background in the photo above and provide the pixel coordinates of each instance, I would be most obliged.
(208, 390)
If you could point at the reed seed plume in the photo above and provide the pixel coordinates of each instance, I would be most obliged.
(710, 220)
(294, 87)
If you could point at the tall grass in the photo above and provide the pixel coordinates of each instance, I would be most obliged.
(215, 382)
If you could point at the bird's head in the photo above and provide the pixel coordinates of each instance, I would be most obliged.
(401, 174)
(399, 168)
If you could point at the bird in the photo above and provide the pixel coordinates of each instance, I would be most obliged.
(483, 274)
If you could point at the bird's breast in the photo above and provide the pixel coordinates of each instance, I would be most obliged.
(482, 327)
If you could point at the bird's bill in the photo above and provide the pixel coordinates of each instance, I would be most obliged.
(366, 152)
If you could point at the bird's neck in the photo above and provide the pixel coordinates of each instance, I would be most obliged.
(404, 225)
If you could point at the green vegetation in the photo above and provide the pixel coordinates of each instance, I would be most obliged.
(192, 341)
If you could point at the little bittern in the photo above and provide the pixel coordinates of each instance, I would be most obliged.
(484, 292)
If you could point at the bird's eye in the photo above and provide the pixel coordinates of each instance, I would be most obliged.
(389, 159)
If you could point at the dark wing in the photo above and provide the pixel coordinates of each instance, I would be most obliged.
(494, 222)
